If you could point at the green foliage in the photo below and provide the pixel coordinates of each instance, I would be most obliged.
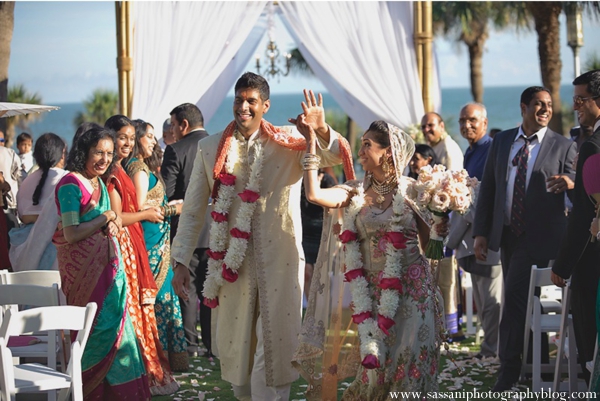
(592, 62)
(298, 64)
(20, 94)
(99, 107)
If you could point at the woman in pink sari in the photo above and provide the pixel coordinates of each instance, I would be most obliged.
(91, 269)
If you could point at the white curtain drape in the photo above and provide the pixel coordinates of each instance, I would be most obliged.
(212, 99)
(363, 52)
(182, 49)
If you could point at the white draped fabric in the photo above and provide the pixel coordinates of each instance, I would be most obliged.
(182, 48)
(363, 52)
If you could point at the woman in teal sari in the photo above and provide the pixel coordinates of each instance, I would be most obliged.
(91, 270)
(151, 193)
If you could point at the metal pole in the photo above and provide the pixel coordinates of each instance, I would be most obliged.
(427, 37)
(124, 60)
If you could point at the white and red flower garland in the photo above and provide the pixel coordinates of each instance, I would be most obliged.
(374, 325)
(228, 248)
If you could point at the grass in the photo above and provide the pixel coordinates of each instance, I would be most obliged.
(204, 377)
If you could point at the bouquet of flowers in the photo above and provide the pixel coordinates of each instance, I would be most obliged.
(442, 191)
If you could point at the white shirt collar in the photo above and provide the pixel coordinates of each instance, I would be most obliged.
(596, 125)
(539, 134)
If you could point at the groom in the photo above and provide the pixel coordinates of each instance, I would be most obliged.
(259, 308)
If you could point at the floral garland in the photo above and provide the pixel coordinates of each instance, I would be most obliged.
(227, 252)
(373, 327)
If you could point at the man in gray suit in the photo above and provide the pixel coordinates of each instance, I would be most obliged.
(521, 210)
(486, 277)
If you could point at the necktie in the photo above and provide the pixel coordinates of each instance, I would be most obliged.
(517, 212)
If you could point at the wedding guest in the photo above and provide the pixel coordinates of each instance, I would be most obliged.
(187, 127)
(31, 244)
(520, 209)
(25, 146)
(150, 193)
(167, 135)
(9, 186)
(91, 270)
(581, 134)
(312, 228)
(486, 277)
(448, 154)
(424, 156)
(579, 258)
(2, 139)
(400, 324)
(141, 288)
(493, 132)
(446, 149)
(258, 308)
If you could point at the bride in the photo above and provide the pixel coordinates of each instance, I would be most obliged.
(388, 337)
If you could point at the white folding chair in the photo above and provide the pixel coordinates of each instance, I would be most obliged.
(49, 344)
(538, 322)
(33, 277)
(33, 377)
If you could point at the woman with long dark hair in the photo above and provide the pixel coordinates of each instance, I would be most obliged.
(91, 270)
(31, 244)
(141, 288)
(151, 193)
(424, 156)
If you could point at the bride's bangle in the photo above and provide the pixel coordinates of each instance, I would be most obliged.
(311, 162)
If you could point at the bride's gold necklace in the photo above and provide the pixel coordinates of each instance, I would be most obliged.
(383, 188)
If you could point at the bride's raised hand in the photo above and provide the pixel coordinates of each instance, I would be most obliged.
(314, 112)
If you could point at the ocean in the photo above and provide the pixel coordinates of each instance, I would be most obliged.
(502, 105)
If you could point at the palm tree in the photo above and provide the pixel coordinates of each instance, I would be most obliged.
(20, 94)
(99, 107)
(468, 22)
(545, 16)
(592, 62)
(7, 19)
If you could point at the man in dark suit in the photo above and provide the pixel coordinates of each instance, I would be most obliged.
(521, 209)
(579, 258)
(187, 126)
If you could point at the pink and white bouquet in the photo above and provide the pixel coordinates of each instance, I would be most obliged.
(443, 191)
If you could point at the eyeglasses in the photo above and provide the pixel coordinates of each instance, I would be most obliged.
(2, 140)
(578, 100)
(101, 154)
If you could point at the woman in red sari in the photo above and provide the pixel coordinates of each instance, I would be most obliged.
(141, 288)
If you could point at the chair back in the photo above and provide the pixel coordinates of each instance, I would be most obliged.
(34, 377)
(14, 295)
(33, 277)
(50, 318)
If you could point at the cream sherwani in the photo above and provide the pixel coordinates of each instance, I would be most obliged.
(271, 278)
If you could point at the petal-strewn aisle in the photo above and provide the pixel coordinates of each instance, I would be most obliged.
(203, 381)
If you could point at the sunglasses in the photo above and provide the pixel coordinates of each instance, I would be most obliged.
(578, 100)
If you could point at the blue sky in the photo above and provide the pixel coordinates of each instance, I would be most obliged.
(65, 50)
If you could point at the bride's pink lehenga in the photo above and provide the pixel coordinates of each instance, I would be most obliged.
(329, 345)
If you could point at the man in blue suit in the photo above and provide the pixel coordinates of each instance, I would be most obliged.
(521, 210)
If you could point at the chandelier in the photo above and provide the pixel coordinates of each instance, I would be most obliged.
(272, 54)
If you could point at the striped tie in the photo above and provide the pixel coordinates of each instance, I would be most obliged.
(517, 213)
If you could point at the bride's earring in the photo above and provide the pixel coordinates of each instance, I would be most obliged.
(386, 167)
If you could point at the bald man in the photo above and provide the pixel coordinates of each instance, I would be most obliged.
(486, 276)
